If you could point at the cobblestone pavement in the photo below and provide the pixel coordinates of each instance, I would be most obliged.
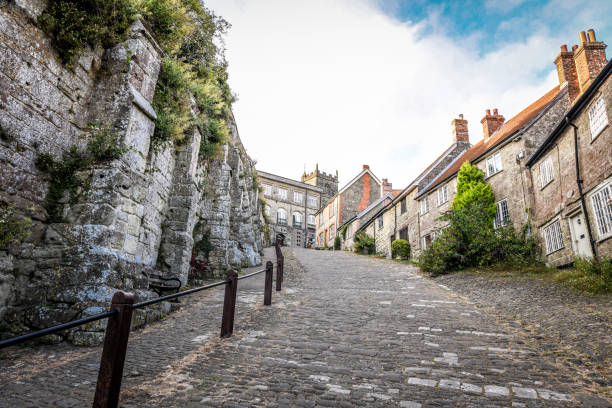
(346, 331)
(573, 328)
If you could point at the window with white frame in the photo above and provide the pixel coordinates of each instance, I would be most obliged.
(602, 207)
(312, 201)
(494, 164)
(424, 205)
(282, 193)
(281, 216)
(598, 119)
(297, 219)
(311, 220)
(427, 241)
(553, 237)
(267, 190)
(380, 222)
(502, 216)
(442, 195)
(546, 171)
(331, 210)
(298, 197)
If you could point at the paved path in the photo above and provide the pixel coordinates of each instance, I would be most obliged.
(349, 331)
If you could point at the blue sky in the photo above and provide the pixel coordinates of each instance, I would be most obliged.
(377, 82)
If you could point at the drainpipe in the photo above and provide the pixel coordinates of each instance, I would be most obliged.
(579, 181)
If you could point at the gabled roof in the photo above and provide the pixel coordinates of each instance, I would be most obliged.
(366, 210)
(510, 128)
(574, 111)
(350, 183)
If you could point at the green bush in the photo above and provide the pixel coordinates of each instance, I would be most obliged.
(470, 240)
(364, 244)
(400, 248)
(471, 189)
(337, 243)
(13, 228)
(590, 275)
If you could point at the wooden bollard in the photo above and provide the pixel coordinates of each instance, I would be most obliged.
(229, 304)
(113, 353)
(268, 288)
(279, 272)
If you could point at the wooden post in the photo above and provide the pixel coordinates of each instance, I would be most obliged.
(279, 272)
(268, 288)
(229, 304)
(113, 353)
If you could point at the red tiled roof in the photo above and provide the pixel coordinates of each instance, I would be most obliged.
(508, 128)
(396, 192)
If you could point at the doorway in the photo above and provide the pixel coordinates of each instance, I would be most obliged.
(580, 237)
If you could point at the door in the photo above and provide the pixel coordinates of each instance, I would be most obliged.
(580, 237)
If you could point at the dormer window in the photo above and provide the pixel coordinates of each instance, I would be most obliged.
(494, 164)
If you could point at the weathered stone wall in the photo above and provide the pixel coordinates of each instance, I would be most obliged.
(138, 211)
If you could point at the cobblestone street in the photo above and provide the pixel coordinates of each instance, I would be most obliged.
(346, 331)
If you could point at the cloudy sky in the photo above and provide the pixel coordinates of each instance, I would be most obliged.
(343, 83)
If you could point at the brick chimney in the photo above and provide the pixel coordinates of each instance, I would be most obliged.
(365, 166)
(590, 58)
(566, 70)
(386, 186)
(460, 130)
(490, 123)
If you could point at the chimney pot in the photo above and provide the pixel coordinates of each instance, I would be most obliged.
(574, 47)
(365, 166)
(490, 123)
(495, 111)
(564, 48)
(461, 116)
(460, 130)
(488, 112)
(589, 58)
(591, 35)
(582, 37)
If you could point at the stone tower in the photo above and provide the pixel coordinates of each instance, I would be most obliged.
(327, 182)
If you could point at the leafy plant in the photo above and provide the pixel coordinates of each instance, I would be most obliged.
(472, 189)
(13, 228)
(343, 231)
(400, 248)
(590, 275)
(364, 244)
(337, 243)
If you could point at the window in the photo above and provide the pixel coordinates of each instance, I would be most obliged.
(282, 193)
(298, 197)
(281, 216)
(267, 190)
(602, 207)
(546, 171)
(403, 206)
(297, 219)
(332, 232)
(403, 234)
(494, 164)
(502, 216)
(380, 222)
(331, 210)
(442, 195)
(424, 206)
(553, 237)
(427, 241)
(311, 220)
(598, 118)
(312, 201)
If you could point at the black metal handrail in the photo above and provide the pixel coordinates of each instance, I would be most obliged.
(120, 317)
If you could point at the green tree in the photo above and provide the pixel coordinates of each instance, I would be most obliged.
(472, 189)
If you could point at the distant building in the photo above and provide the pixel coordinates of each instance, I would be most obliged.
(291, 207)
(325, 181)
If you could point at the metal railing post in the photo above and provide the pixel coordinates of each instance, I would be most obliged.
(113, 353)
(268, 288)
(229, 304)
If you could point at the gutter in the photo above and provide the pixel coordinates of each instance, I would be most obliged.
(579, 181)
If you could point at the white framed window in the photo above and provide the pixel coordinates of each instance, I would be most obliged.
(494, 164)
(312, 201)
(282, 193)
(267, 190)
(281, 216)
(602, 207)
(331, 210)
(297, 218)
(427, 240)
(502, 216)
(442, 195)
(380, 222)
(311, 220)
(598, 119)
(546, 171)
(424, 206)
(298, 197)
(553, 237)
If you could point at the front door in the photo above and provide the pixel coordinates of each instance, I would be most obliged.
(580, 237)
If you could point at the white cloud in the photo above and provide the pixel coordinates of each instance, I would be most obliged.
(343, 84)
